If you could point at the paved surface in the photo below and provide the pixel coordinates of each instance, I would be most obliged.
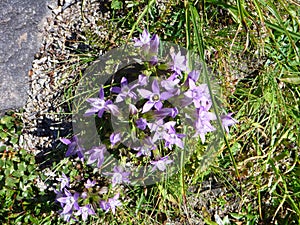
(20, 39)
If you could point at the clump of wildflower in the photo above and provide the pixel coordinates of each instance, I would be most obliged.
(157, 104)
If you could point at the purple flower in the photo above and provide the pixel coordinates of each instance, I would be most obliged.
(174, 139)
(99, 106)
(227, 121)
(104, 205)
(199, 95)
(84, 195)
(141, 123)
(111, 204)
(202, 123)
(178, 64)
(97, 154)
(145, 148)
(149, 45)
(59, 194)
(171, 86)
(193, 75)
(155, 97)
(64, 181)
(125, 91)
(132, 109)
(73, 147)
(153, 60)
(144, 39)
(67, 217)
(161, 164)
(164, 112)
(160, 129)
(89, 183)
(84, 211)
(115, 138)
(119, 176)
(143, 80)
(69, 201)
(154, 43)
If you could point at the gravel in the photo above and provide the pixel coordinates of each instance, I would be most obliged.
(53, 69)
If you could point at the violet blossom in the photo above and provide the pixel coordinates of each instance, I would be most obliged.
(111, 204)
(73, 147)
(143, 80)
(125, 91)
(199, 95)
(164, 112)
(202, 124)
(119, 176)
(161, 163)
(115, 138)
(64, 181)
(144, 39)
(141, 123)
(145, 147)
(69, 201)
(97, 154)
(193, 75)
(227, 121)
(132, 109)
(160, 129)
(177, 65)
(147, 44)
(99, 106)
(155, 97)
(171, 86)
(89, 183)
(174, 139)
(85, 211)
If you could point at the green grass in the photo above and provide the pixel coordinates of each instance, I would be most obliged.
(253, 49)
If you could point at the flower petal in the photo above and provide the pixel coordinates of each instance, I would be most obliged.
(147, 106)
(145, 93)
(65, 141)
(155, 87)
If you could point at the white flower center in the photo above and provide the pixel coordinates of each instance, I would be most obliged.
(99, 103)
(117, 177)
(161, 165)
(70, 201)
(155, 98)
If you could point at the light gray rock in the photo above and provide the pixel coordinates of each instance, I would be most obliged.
(21, 25)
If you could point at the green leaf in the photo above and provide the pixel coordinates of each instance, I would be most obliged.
(22, 166)
(30, 168)
(11, 181)
(116, 4)
(3, 135)
(18, 173)
(14, 140)
(236, 216)
(291, 80)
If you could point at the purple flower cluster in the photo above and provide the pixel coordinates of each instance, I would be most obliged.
(77, 204)
(159, 106)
